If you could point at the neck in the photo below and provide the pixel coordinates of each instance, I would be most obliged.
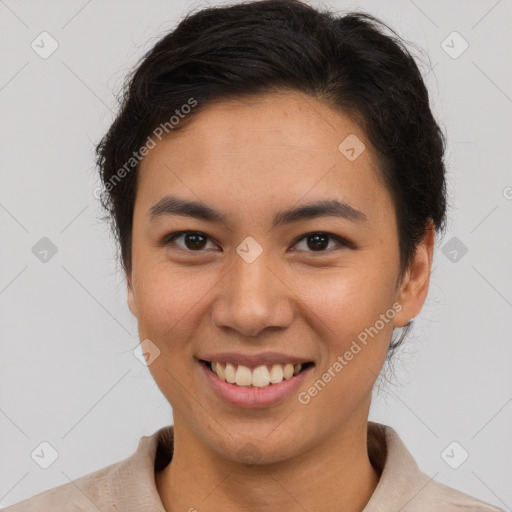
(336, 473)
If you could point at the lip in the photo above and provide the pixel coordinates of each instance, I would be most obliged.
(254, 398)
(253, 360)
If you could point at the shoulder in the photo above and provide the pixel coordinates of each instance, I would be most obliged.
(438, 497)
(112, 488)
(87, 493)
(402, 486)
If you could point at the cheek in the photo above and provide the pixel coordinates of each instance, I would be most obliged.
(354, 316)
(169, 304)
(169, 300)
(348, 309)
(350, 300)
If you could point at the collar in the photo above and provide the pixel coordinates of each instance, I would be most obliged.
(132, 483)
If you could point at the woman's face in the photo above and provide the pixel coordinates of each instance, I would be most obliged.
(245, 290)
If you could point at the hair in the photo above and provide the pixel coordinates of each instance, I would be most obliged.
(354, 62)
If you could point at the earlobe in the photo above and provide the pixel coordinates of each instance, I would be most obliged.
(414, 288)
(132, 305)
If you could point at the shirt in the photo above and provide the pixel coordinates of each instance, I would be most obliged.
(129, 485)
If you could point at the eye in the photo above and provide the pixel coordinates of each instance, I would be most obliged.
(319, 241)
(194, 241)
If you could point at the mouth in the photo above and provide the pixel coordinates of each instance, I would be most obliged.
(262, 376)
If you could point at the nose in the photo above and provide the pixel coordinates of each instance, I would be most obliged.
(252, 297)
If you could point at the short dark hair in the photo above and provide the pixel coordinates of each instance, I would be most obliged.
(354, 62)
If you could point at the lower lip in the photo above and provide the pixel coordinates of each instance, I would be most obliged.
(241, 396)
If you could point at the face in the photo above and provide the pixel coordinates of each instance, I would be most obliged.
(256, 287)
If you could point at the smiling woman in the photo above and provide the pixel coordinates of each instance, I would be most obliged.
(273, 238)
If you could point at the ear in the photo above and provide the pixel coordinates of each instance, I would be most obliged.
(414, 286)
(132, 303)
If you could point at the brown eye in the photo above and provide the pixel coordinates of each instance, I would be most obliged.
(319, 242)
(193, 241)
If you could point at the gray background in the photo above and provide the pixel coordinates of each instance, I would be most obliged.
(68, 372)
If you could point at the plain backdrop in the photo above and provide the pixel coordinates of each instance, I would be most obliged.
(69, 376)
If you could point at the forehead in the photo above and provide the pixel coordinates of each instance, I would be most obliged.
(280, 123)
(278, 148)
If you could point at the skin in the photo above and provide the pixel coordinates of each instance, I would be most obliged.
(250, 159)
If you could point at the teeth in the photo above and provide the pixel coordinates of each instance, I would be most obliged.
(276, 374)
(230, 373)
(243, 376)
(220, 372)
(260, 377)
(288, 371)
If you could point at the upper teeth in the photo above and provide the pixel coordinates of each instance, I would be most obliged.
(260, 377)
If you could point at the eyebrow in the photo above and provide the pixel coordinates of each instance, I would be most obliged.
(172, 205)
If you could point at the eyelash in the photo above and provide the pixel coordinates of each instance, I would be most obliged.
(168, 239)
